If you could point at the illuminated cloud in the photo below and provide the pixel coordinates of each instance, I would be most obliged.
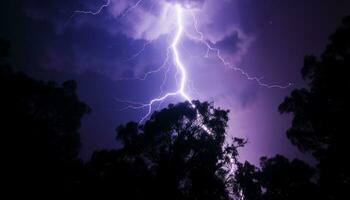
(188, 3)
(132, 23)
(218, 19)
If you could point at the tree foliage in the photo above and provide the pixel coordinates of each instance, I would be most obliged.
(276, 179)
(171, 156)
(39, 126)
(320, 123)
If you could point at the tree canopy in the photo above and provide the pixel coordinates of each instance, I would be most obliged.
(171, 156)
(39, 126)
(320, 112)
(277, 178)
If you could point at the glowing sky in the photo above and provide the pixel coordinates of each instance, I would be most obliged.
(111, 47)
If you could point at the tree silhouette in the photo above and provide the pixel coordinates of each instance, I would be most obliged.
(171, 156)
(40, 123)
(276, 179)
(246, 183)
(320, 123)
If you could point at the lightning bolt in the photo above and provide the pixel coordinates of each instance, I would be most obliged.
(183, 73)
(180, 67)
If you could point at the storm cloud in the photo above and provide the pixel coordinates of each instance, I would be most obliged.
(122, 29)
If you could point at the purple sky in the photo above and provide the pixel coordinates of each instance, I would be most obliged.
(265, 38)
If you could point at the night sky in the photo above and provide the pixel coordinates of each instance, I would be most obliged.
(103, 53)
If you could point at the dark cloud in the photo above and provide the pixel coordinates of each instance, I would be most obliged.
(231, 43)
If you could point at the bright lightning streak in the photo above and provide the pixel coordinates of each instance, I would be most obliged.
(174, 47)
(178, 62)
(180, 67)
